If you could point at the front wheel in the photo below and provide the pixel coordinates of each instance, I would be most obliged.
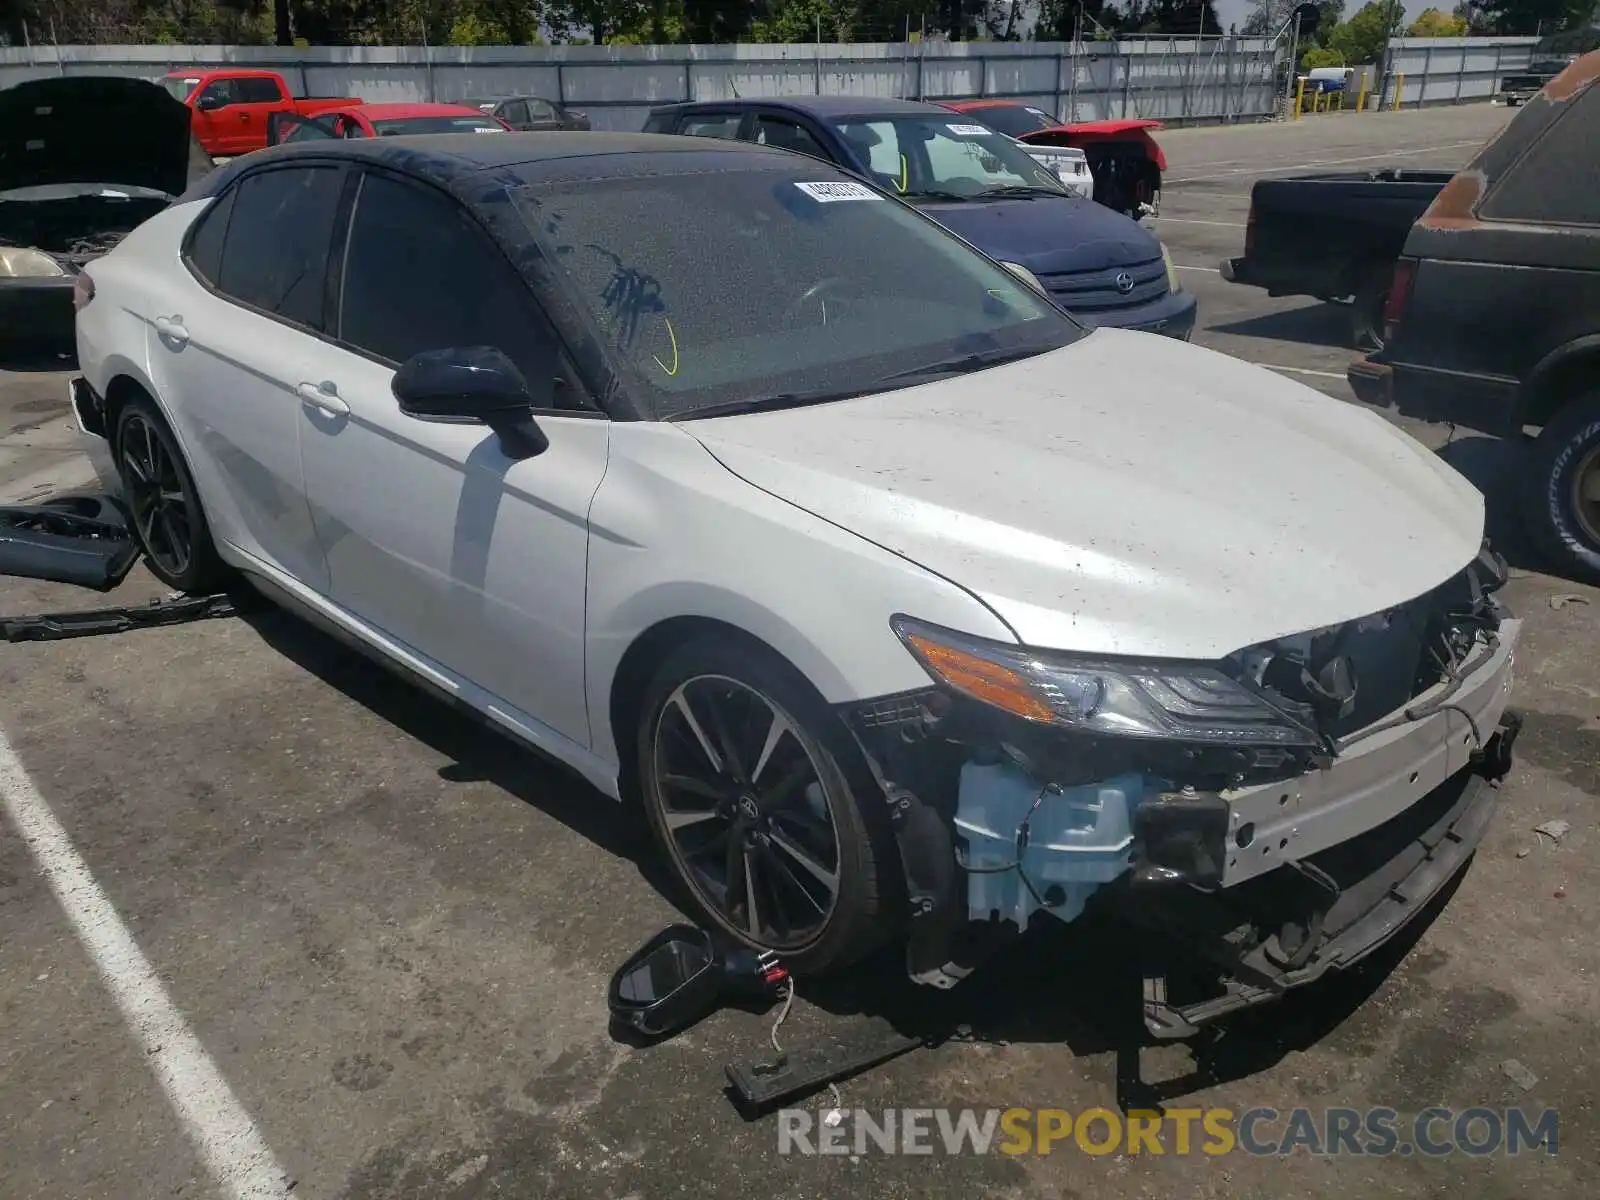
(1565, 486)
(742, 770)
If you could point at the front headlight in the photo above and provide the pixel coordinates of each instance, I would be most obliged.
(19, 262)
(1173, 282)
(1188, 702)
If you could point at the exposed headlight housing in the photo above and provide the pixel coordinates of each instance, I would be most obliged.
(1173, 282)
(1156, 699)
(21, 262)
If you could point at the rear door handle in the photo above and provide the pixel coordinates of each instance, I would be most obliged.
(324, 395)
(172, 329)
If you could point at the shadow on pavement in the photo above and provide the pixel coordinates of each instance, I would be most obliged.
(478, 752)
(1315, 324)
(34, 362)
(1496, 468)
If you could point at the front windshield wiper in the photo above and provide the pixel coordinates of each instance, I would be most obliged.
(965, 363)
(1024, 189)
(934, 194)
(773, 403)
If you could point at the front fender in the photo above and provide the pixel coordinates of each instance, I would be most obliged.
(674, 534)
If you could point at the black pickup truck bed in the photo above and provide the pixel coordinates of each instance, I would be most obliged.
(1333, 236)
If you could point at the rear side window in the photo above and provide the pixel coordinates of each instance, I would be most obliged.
(205, 243)
(420, 274)
(279, 235)
(1557, 181)
(717, 125)
(541, 110)
(659, 123)
(258, 91)
(787, 135)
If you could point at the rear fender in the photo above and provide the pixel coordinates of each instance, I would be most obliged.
(1562, 375)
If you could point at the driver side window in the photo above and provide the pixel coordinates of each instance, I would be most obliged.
(219, 92)
(473, 297)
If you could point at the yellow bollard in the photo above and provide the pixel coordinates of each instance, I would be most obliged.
(1299, 98)
(1361, 101)
(1399, 89)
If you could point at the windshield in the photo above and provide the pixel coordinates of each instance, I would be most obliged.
(180, 88)
(1014, 119)
(465, 123)
(782, 283)
(931, 156)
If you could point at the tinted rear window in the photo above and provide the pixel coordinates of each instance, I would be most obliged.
(722, 285)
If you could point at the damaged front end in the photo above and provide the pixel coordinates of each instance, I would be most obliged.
(1274, 814)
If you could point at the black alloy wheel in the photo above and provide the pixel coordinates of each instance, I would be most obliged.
(756, 816)
(167, 519)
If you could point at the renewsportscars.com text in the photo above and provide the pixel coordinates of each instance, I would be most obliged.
(1433, 1132)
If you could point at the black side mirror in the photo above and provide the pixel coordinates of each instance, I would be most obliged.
(680, 976)
(210, 103)
(472, 383)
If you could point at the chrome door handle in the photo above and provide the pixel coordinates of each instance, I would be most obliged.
(172, 330)
(325, 396)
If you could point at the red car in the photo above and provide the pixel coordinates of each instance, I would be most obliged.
(1125, 160)
(383, 120)
(233, 106)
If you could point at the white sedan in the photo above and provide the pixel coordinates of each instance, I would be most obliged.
(909, 607)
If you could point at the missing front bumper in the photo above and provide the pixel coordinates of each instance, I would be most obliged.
(1262, 940)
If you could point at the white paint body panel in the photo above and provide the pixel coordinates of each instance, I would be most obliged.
(1128, 494)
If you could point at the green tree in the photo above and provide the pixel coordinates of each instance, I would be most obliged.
(1432, 23)
(1364, 36)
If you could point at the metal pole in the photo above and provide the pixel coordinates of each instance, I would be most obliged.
(1294, 64)
(1427, 65)
(1127, 75)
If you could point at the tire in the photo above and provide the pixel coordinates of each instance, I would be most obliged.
(1566, 457)
(168, 521)
(770, 828)
(1366, 310)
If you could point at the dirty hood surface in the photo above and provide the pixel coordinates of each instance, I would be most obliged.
(94, 129)
(1127, 494)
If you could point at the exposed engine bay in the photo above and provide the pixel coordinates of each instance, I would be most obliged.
(1265, 770)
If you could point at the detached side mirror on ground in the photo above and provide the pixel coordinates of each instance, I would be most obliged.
(472, 383)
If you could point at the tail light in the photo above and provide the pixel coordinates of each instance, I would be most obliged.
(82, 291)
(1250, 232)
(1394, 305)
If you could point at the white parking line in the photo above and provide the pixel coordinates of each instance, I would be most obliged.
(221, 1131)
(1192, 221)
(1275, 169)
(1187, 267)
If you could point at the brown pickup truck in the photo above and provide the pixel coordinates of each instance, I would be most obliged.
(231, 106)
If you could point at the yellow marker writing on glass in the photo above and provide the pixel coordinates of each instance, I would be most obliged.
(673, 369)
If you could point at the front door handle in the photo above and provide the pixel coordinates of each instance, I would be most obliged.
(325, 396)
(172, 330)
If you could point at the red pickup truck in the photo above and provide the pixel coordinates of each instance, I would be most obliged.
(231, 106)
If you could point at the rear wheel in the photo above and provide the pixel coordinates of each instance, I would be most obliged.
(167, 518)
(1565, 486)
(743, 776)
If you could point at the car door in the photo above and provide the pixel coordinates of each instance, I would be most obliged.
(434, 537)
(258, 97)
(514, 113)
(542, 115)
(227, 345)
(217, 103)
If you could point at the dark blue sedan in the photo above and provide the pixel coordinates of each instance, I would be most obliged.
(1099, 265)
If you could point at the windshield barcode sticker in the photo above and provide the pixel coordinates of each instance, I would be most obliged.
(827, 193)
(969, 130)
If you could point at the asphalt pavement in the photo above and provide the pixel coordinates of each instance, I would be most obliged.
(309, 921)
